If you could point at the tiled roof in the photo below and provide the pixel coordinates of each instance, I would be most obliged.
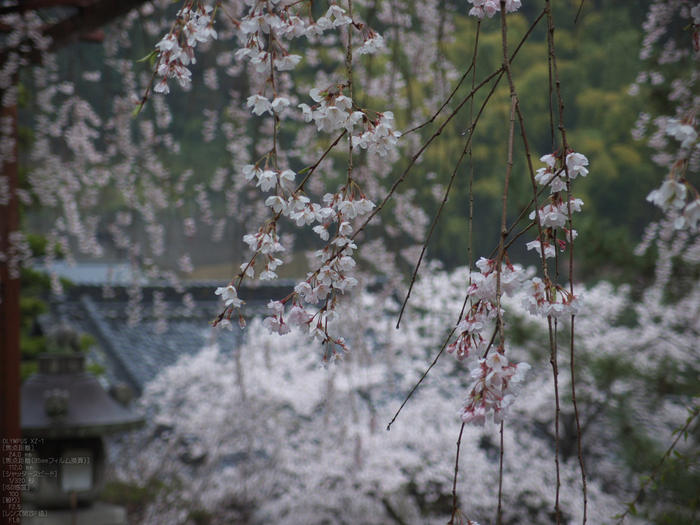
(95, 273)
(137, 353)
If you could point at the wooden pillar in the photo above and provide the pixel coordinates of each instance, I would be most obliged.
(10, 433)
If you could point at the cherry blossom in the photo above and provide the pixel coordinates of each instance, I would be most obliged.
(494, 390)
(469, 339)
(544, 299)
(491, 7)
(682, 131)
(259, 104)
(537, 245)
(176, 49)
(689, 218)
(670, 195)
(267, 160)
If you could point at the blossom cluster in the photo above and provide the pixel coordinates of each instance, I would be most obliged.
(674, 192)
(490, 393)
(494, 389)
(484, 285)
(335, 111)
(265, 32)
(547, 249)
(544, 299)
(321, 287)
(555, 177)
(489, 8)
(554, 213)
(333, 275)
(677, 197)
(262, 31)
(176, 49)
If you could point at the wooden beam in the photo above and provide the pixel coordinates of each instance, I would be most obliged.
(87, 20)
(9, 336)
(85, 23)
(33, 5)
(81, 25)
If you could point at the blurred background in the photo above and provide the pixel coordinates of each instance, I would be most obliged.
(128, 225)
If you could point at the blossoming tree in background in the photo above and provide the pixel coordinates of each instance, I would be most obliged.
(664, 47)
(258, 435)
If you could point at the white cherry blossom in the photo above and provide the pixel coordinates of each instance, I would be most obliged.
(230, 296)
(670, 195)
(682, 132)
(259, 104)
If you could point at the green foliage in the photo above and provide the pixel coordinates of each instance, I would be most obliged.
(133, 497)
(35, 287)
(31, 306)
(86, 342)
(136, 497)
(597, 62)
(603, 253)
(200, 517)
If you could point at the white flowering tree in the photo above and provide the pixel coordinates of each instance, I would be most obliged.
(258, 434)
(254, 434)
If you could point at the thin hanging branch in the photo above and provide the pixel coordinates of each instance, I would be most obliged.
(681, 432)
(467, 148)
(454, 482)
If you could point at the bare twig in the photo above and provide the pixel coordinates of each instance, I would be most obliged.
(454, 483)
(667, 454)
(388, 427)
(578, 425)
(402, 177)
(500, 473)
(467, 149)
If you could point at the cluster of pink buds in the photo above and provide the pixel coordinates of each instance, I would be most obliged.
(494, 389)
(469, 338)
(314, 324)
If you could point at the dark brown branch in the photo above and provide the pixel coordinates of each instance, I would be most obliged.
(454, 483)
(82, 24)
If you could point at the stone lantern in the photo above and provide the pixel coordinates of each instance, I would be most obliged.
(65, 413)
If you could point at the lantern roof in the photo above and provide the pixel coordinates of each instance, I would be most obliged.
(62, 400)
